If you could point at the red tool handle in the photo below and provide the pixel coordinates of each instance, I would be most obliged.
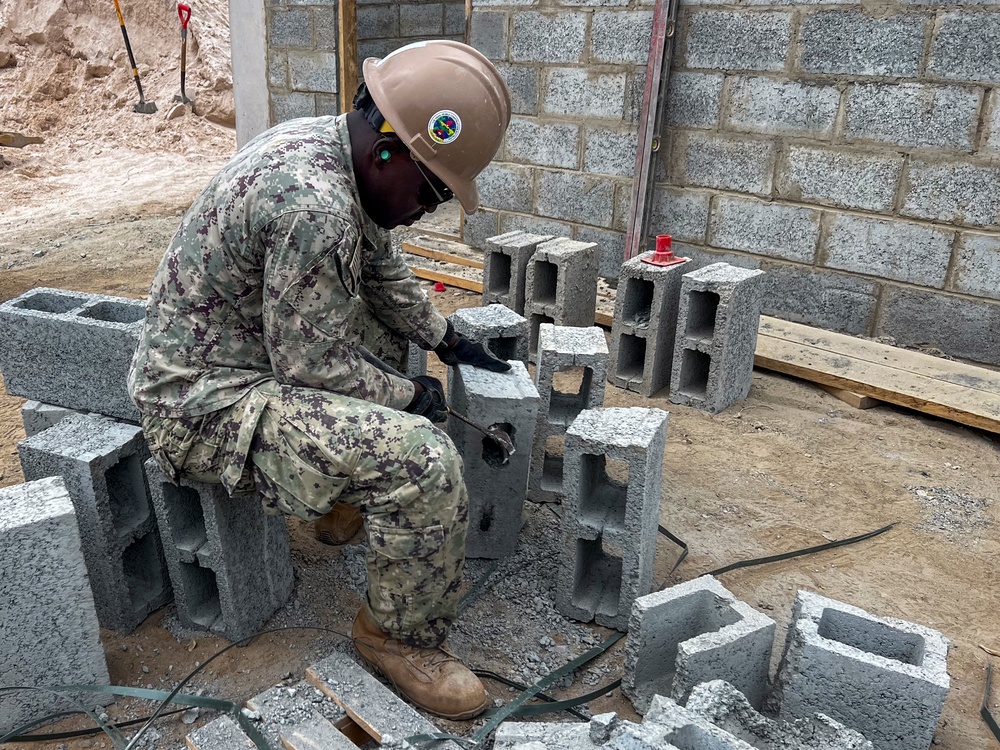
(184, 11)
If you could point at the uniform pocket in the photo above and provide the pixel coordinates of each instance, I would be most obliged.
(405, 568)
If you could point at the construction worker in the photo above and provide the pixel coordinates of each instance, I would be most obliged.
(250, 373)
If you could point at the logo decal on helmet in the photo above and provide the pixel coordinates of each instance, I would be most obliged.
(444, 126)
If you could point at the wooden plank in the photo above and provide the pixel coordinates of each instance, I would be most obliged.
(428, 252)
(851, 398)
(347, 49)
(447, 278)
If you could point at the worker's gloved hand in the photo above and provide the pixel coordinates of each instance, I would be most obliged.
(455, 349)
(428, 399)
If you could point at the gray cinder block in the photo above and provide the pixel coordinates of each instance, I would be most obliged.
(669, 722)
(38, 416)
(644, 326)
(561, 348)
(940, 191)
(534, 735)
(759, 104)
(71, 349)
(500, 329)
(416, 361)
(737, 40)
(49, 627)
(610, 519)
(508, 400)
(913, 114)
(102, 464)
(561, 286)
(229, 562)
(692, 633)
(716, 336)
(222, 734)
(505, 263)
(885, 678)
(743, 164)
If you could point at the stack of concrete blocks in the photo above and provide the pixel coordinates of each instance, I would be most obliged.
(716, 336)
(71, 349)
(609, 523)
(496, 326)
(560, 286)
(508, 400)
(49, 630)
(886, 678)
(505, 267)
(692, 633)
(37, 416)
(102, 463)
(416, 361)
(562, 348)
(645, 324)
(229, 562)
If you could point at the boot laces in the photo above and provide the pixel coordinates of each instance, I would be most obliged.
(431, 657)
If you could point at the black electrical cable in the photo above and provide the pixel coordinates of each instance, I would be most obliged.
(54, 736)
(984, 710)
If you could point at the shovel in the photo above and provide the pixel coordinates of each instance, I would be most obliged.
(143, 107)
(184, 11)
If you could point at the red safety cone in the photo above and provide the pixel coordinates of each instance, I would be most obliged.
(663, 255)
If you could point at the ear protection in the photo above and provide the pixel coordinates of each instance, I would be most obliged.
(384, 155)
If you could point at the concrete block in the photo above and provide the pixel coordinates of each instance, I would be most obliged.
(612, 472)
(49, 628)
(850, 42)
(416, 361)
(757, 104)
(644, 325)
(548, 37)
(508, 400)
(891, 249)
(378, 22)
(368, 702)
(728, 708)
(71, 349)
(101, 462)
(833, 301)
(668, 722)
(977, 269)
(229, 562)
(716, 336)
(692, 633)
(992, 125)
(940, 192)
(763, 228)
(610, 151)
(736, 40)
(560, 286)
(849, 179)
(283, 708)
(291, 106)
(958, 326)
(505, 265)
(488, 33)
(316, 732)
(289, 28)
(694, 99)
(503, 331)
(546, 144)
(575, 197)
(913, 114)
(313, 71)
(477, 228)
(38, 416)
(421, 19)
(611, 249)
(277, 70)
(885, 678)
(621, 36)
(548, 228)
(582, 354)
(522, 82)
(221, 734)
(326, 32)
(741, 164)
(583, 93)
(681, 213)
(506, 187)
(535, 735)
(965, 46)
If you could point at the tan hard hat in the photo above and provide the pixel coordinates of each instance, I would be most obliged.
(448, 104)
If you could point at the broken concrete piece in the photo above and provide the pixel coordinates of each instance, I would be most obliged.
(316, 733)
(500, 329)
(222, 734)
(285, 707)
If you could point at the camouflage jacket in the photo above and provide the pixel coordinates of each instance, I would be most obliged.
(263, 279)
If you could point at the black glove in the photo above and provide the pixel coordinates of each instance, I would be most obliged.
(455, 349)
(428, 399)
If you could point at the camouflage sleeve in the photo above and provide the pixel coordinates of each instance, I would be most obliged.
(311, 283)
(393, 292)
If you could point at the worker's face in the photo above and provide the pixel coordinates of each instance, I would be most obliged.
(404, 190)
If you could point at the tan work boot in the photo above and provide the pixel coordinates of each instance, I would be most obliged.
(433, 678)
(339, 525)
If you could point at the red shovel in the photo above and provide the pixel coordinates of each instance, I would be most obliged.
(184, 11)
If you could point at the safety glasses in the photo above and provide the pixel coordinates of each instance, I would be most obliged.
(430, 195)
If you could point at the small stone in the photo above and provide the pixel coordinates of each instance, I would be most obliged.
(39, 253)
(145, 669)
(191, 715)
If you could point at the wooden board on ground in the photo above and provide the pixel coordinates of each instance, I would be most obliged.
(851, 398)
(963, 393)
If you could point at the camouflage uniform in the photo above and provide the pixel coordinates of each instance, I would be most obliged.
(248, 371)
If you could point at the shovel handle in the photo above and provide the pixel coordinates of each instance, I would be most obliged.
(184, 12)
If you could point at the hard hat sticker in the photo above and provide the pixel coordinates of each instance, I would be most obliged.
(444, 126)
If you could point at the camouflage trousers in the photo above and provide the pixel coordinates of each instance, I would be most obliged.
(305, 449)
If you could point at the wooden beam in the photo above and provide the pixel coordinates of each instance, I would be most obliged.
(850, 397)
(446, 278)
(427, 252)
(347, 49)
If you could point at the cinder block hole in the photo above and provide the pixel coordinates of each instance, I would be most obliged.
(546, 280)
(603, 491)
(143, 568)
(570, 392)
(552, 465)
(186, 517)
(201, 593)
(597, 581)
(50, 303)
(499, 273)
(128, 494)
(114, 312)
(702, 308)
(486, 519)
(493, 454)
(504, 347)
(534, 324)
(872, 637)
(637, 307)
(694, 373)
(694, 738)
(631, 357)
